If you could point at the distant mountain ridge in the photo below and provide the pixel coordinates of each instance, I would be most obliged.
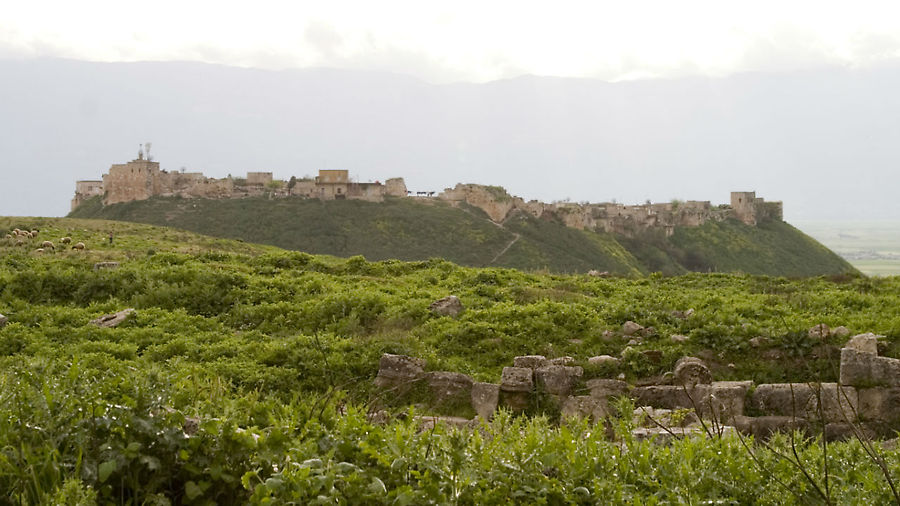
(795, 137)
(418, 229)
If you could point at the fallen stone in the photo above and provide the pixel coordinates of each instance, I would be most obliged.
(558, 379)
(682, 315)
(448, 306)
(530, 361)
(603, 359)
(584, 406)
(517, 379)
(690, 371)
(485, 398)
(820, 331)
(114, 319)
(394, 370)
(758, 341)
(633, 342)
(106, 265)
(678, 338)
(864, 343)
(841, 332)
(630, 327)
(3, 321)
(837, 431)
(783, 399)
(562, 361)
(648, 416)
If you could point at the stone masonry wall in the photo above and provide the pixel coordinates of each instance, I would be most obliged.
(865, 400)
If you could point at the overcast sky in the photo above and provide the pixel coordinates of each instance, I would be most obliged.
(464, 40)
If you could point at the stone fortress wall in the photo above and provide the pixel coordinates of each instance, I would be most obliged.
(142, 178)
(614, 217)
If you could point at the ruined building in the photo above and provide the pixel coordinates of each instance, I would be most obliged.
(142, 178)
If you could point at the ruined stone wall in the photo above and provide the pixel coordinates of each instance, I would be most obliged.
(492, 200)
(259, 178)
(865, 400)
(395, 187)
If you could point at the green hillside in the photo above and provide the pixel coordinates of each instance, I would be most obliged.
(245, 376)
(410, 229)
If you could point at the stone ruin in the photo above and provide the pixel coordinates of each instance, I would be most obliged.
(865, 401)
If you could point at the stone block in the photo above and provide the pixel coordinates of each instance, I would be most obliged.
(606, 388)
(562, 361)
(584, 406)
(864, 343)
(449, 387)
(782, 399)
(864, 369)
(515, 401)
(880, 404)
(517, 379)
(394, 370)
(485, 398)
(723, 400)
(530, 361)
(764, 426)
(557, 379)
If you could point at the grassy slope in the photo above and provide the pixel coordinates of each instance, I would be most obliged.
(408, 229)
(773, 247)
(401, 229)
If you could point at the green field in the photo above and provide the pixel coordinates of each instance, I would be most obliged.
(245, 376)
(873, 247)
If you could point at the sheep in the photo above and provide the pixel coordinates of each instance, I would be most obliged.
(47, 244)
(39, 250)
(34, 233)
(66, 240)
(28, 235)
(8, 236)
(20, 242)
(78, 246)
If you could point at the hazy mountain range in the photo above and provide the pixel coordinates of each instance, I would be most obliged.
(827, 142)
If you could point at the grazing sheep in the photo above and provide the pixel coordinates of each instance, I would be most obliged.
(47, 244)
(28, 235)
(78, 246)
(20, 242)
(39, 250)
(66, 240)
(8, 236)
(34, 233)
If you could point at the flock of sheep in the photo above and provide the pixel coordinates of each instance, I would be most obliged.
(24, 238)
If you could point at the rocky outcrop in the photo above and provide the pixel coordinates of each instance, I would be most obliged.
(448, 306)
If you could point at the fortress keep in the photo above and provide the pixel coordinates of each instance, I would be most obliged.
(142, 179)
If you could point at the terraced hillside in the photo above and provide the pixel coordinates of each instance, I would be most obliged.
(410, 229)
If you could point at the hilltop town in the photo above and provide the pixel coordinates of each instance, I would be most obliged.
(142, 178)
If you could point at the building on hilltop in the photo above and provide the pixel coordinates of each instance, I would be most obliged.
(751, 209)
(142, 178)
(86, 189)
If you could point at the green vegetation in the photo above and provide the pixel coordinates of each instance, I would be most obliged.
(416, 229)
(246, 372)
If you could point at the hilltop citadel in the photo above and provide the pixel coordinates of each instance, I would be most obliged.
(141, 179)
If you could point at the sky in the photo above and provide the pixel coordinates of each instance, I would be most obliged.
(464, 40)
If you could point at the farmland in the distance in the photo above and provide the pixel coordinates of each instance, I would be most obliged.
(873, 247)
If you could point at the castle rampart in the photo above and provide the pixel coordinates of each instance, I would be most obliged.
(142, 178)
